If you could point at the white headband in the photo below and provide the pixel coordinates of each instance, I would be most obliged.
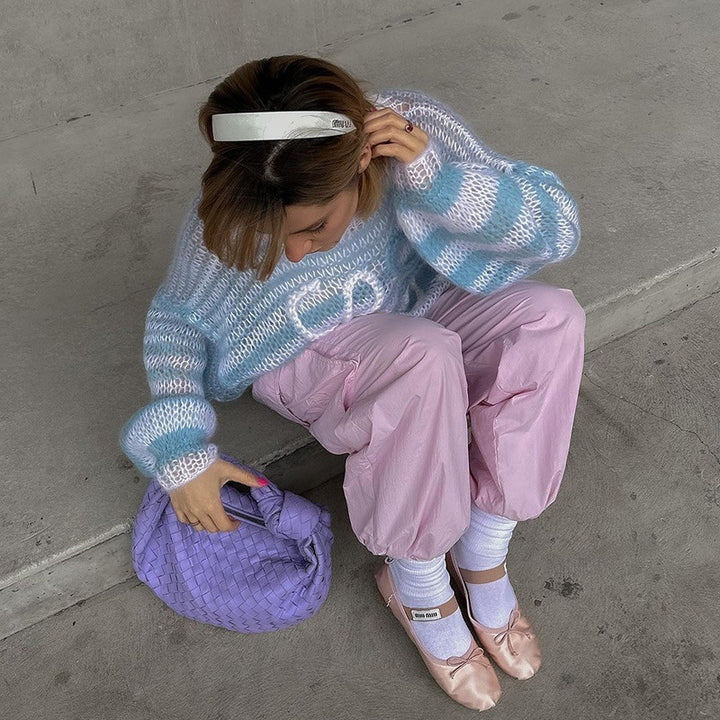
(280, 125)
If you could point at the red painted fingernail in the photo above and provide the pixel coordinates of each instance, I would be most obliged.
(262, 482)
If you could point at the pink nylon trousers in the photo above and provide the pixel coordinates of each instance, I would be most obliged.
(395, 393)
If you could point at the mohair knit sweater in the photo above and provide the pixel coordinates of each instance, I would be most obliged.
(458, 214)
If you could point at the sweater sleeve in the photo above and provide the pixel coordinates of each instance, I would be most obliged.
(169, 438)
(479, 218)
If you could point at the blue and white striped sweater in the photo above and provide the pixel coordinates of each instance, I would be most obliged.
(459, 214)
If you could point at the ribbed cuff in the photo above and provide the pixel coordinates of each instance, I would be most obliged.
(166, 430)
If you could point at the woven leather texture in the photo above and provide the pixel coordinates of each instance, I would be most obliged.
(253, 579)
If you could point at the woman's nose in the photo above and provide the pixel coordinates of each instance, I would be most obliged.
(296, 257)
(297, 254)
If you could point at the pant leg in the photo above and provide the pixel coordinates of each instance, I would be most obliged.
(389, 390)
(523, 350)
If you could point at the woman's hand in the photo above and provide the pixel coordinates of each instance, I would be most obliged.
(388, 135)
(199, 499)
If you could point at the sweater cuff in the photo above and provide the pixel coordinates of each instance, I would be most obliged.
(183, 469)
(420, 174)
(170, 436)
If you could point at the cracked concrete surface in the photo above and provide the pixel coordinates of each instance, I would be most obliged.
(655, 415)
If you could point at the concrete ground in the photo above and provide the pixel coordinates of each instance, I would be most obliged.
(97, 165)
(620, 577)
(618, 97)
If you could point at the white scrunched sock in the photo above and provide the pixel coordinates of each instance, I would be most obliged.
(426, 584)
(482, 546)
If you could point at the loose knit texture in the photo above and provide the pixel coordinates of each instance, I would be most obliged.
(459, 214)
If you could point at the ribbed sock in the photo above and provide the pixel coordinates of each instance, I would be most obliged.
(482, 546)
(426, 584)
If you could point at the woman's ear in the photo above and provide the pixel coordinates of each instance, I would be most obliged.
(365, 158)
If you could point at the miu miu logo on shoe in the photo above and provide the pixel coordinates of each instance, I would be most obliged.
(429, 614)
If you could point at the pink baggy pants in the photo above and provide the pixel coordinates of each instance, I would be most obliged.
(395, 393)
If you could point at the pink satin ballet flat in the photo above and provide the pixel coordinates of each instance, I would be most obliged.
(469, 679)
(514, 647)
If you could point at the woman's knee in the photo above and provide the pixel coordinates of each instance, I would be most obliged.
(421, 339)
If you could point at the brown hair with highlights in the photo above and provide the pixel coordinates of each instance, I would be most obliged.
(248, 184)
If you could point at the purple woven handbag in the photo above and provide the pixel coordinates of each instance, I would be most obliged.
(272, 572)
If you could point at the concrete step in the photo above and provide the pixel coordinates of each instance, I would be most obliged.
(92, 207)
(619, 578)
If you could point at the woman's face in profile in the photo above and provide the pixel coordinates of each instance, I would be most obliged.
(318, 228)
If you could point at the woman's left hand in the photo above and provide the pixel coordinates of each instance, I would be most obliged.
(387, 135)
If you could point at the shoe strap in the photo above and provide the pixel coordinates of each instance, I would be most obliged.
(432, 613)
(482, 576)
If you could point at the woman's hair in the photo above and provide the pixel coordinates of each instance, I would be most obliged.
(248, 184)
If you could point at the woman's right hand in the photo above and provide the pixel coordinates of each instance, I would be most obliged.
(198, 503)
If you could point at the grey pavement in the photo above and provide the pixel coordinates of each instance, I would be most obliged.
(619, 577)
(99, 155)
(619, 98)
